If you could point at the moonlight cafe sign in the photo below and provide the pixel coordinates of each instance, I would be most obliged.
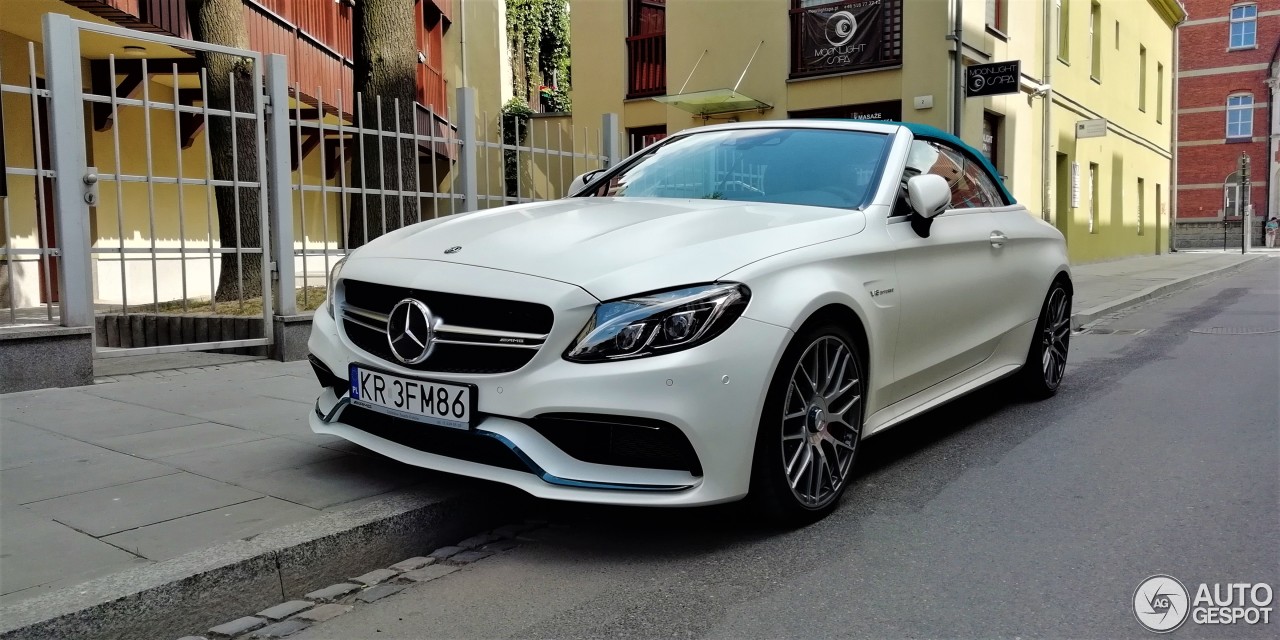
(992, 79)
(842, 36)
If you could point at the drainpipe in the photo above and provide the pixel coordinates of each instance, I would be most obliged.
(1046, 116)
(1173, 141)
(1273, 141)
(462, 39)
(957, 96)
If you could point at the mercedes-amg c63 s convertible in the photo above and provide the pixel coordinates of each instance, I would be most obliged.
(725, 314)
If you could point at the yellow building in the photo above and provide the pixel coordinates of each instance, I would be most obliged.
(1085, 140)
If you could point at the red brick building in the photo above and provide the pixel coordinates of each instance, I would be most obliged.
(1226, 69)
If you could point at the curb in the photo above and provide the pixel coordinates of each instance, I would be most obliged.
(1087, 316)
(206, 587)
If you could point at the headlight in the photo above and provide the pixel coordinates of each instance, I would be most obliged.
(332, 285)
(661, 322)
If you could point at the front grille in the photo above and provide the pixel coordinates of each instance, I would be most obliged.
(452, 443)
(455, 309)
(619, 440)
(479, 335)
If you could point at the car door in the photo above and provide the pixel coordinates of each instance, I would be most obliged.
(950, 283)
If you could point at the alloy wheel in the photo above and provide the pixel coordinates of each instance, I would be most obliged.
(1055, 337)
(821, 421)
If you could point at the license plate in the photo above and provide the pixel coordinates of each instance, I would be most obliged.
(430, 401)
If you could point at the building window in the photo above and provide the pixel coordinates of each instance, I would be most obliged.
(1094, 192)
(991, 125)
(1142, 78)
(1159, 93)
(1142, 201)
(1064, 31)
(1234, 201)
(1095, 41)
(1244, 27)
(1240, 117)
(647, 49)
(996, 14)
(642, 137)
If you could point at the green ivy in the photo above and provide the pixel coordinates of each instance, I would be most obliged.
(538, 35)
(514, 125)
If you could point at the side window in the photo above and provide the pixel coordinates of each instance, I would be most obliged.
(970, 185)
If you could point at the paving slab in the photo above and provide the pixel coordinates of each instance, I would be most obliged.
(96, 470)
(429, 573)
(235, 462)
(374, 594)
(35, 550)
(268, 415)
(87, 417)
(285, 609)
(333, 481)
(376, 576)
(325, 612)
(282, 629)
(22, 445)
(163, 361)
(175, 537)
(176, 440)
(106, 511)
(236, 627)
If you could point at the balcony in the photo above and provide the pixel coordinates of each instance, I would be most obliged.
(647, 65)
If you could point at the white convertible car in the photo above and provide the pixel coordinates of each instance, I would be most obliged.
(727, 313)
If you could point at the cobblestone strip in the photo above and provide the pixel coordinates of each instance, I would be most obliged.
(290, 617)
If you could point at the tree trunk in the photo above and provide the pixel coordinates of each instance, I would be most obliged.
(239, 222)
(386, 55)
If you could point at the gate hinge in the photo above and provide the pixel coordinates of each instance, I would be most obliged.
(275, 270)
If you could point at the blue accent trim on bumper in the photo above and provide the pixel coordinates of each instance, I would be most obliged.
(524, 458)
(566, 482)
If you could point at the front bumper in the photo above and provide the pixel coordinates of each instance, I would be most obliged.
(713, 393)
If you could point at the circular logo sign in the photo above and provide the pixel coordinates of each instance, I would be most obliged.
(410, 331)
(840, 28)
(1161, 603)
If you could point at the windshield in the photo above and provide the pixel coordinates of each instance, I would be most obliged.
(816, 167)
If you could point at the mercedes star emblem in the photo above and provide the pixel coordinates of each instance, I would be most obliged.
(411, 331)
(453, 249)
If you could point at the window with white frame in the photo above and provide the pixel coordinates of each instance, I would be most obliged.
(1231, 204)
(1244, 27)
(1240, 116)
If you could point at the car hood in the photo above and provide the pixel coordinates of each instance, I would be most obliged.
(614, 247)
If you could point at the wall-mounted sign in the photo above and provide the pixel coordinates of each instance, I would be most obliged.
(846, 36)
(1091, 128)
(887, 110)
(992, 79)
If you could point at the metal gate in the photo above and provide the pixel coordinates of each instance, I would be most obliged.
(162, 243)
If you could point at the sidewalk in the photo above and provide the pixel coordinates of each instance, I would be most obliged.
(147, 467)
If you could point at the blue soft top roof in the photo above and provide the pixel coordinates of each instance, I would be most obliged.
(926, 131)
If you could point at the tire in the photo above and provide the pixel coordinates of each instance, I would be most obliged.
(813, 414)
(1046, 363)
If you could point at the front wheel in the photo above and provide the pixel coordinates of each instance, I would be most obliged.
(810, 429)
(1047, 357)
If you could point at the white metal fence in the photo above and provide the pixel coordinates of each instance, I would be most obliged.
(148, 239)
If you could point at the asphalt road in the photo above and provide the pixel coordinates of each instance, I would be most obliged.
(988, 518)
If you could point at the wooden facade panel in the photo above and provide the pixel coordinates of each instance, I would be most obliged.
(169, 16)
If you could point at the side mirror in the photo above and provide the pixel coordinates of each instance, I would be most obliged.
(581, 181)
(928, 195)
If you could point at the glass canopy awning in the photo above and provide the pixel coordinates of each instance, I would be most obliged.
(713, 102)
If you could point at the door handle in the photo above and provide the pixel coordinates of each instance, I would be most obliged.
(998, 239)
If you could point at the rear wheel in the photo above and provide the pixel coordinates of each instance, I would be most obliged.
(810, 429)
(1047, 357)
